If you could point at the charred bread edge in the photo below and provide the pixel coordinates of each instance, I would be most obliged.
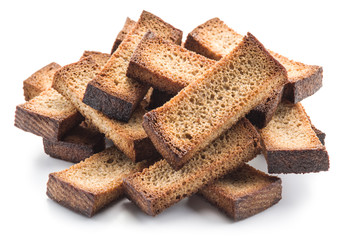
(294, 92)
(297, 161)
(108, 104)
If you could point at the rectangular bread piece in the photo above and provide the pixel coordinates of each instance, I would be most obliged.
(212, 104)
(304, 80)
(111, 91)
(244, 192)
(290, 145)
(169, 68)
(214, 39)
(39, 81)
(51, 115)
(92, 184)
(78, 144)
(160, 186)
(165, 65)
(130, 138)
(128, 25)
(48, 115)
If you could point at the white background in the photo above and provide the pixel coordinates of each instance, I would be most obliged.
(35, 33)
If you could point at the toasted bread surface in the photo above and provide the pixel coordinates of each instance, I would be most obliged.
(243, 192)
(290, 145)
(210, 105)
(111, 91)
(48, 115)
(92, 184)
(169, 68)
(99, 57)
(214, 39)
(160, 186)
(165, 65)
(304, 79)
(130, 138)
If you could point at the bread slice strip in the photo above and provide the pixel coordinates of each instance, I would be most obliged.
(78, 144)
(290, 145)
(128, 25)
(244, 192)
(304, 80)
(160, 186)
(39, 81)
(165, 65)
(48, 115)
(111, 91)
(169, 68)
(214, 39)
(130, 138)
(92, 184)
(212, 104)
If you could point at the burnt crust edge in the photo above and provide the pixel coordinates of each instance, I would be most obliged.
(110, 105)
(297, 161)
(294, 92)
(54, 183)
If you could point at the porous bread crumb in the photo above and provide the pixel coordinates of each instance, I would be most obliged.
(99, 57)
(112, 81)
(100, 172)
(160, 186)
(72, 81)
(113, 76)
(244, 192)
(296, 70)
(51, 104)
(156, 59)
(216, 38)
(212, 104)
(89, 186)
(290, 128)
(245, 180)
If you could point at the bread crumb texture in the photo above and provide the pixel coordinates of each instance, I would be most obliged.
(100, 172)
(244, 181)
(217, 36)
(51, 104)
(290, 128)
(233, 87)
(163, 186)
